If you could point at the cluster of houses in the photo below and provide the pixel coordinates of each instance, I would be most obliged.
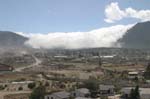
(107, 91)
(82, 93)
(77, 94)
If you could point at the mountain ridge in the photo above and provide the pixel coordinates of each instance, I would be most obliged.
(11, 39)
(137, 37)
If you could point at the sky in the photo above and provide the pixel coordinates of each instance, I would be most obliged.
(44, 16)
(72, 23)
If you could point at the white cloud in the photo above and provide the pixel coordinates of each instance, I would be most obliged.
(143, 15)
(103, 37)
(114, 13)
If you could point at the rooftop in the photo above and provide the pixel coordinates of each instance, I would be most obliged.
(133, 73)
(4, 67)
(83, 90)
(62, 94)
(106, 87)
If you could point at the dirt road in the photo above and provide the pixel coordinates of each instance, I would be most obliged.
(3, 93)
(37, 62)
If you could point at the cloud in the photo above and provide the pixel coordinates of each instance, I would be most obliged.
(114, 13)
(103, 37)
(143, 15)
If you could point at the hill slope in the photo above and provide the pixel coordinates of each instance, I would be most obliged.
(11, 39)
(137, 37)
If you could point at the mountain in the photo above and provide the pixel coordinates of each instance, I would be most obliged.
(137, 37)
(11, 39)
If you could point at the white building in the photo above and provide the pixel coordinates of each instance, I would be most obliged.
(132, 75)
(106, 89)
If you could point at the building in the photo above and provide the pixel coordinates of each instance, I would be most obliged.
(106, 89)
(132, 75)
(114, 97)
(5, 68)
(82, 98)
(58, 95)
(82, 92)
(144, 92)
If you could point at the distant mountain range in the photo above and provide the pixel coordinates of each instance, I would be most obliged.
(137, 37)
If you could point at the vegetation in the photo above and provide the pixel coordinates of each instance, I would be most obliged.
(134, 94)
(2, 87)
(31, 85)
(38, 93)
(93, 85)
(147, 72)
(20, 88)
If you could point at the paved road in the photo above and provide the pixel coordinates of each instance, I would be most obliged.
(37, 62)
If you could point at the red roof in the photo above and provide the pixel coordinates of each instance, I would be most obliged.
(4, 67)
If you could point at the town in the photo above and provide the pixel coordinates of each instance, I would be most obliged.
(97, 73)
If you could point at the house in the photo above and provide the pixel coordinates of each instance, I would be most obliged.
(82, 92)
(132, 75)
(82, 98)
(144, 93)
(5, 68)
(114, 97)
(106, 89)
(58, 95)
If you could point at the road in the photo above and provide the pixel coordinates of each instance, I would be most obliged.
(37, 62)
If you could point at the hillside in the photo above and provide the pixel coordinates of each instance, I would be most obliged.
(11, 39)
(137, 37)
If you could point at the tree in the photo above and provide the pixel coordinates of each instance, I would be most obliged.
(147, 72)
(20, 88)
(2, 87)
(136, 79)
(136, 91)
(93, 85)
(134, 94)
(38, 93)
(31, 85)
(131, 96)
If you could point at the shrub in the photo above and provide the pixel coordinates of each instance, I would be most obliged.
(20, 88)
(31, 85)
(38, 93)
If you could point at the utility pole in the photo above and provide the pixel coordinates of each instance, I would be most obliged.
(99, 60)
